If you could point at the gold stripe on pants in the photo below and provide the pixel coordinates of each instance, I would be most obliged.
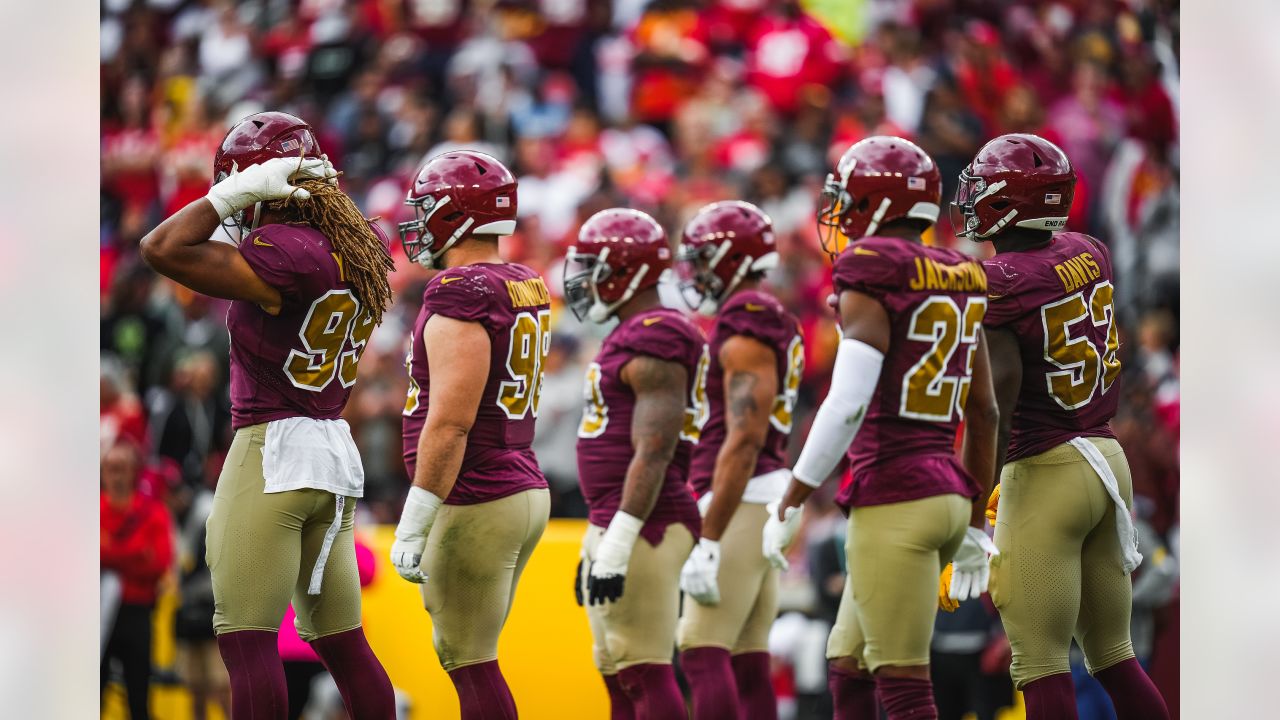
(895, 554)
(748, 592)
(261, 549)
(1059, 574)
(475, 555)
(640, 627)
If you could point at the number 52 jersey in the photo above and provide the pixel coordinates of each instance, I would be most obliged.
(512, 303)
(1057, 300)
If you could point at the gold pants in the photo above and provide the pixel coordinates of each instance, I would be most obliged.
(748, 592)
(640, 627)
(895, 554)
(1059, 573)
(475, 554)
(261, 548)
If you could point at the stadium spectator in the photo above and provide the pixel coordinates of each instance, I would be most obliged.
(137, 545)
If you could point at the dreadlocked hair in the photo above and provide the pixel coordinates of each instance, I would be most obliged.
(366, 261)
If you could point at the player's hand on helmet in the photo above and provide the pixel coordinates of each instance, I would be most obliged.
(268, 180)
(698, 578)
(778, 534)
(944, 590)
(993, 504)
(608, 571)
(972, 565)
(419, 515)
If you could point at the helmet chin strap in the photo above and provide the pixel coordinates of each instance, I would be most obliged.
(600, 311)
(715, 303)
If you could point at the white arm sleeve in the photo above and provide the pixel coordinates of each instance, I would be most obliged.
(853, 381)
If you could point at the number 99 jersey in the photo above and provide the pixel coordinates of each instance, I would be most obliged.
(935, 299)
(302, 361)
(1058, 301)
(512, 303)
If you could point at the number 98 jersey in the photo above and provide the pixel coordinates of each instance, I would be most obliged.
(935, 299)
(512, 303)
(301, 362)
(1058, 301)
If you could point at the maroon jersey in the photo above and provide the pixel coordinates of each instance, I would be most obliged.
(604, 436)
(935, 299)
(301, 362)
(512, 304)
(760, 316)
(1057, 301)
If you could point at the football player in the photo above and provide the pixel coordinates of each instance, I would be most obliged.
(645, 405)
(308, 281)
(739, 465)
(479, 503)
(911, 364)
(1065, 493)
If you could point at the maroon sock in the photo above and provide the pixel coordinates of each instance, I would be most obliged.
(710, 674)
(365, 687)
(756, 700)
(853, 694)
(620, 705)
(1052, 697)
(258, 690)
(1132, 692)
(653, 691)
(483, 693)
(906, 698)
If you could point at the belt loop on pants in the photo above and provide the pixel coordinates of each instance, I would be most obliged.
(317, 573)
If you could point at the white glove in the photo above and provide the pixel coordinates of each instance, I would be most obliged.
(266, 181)
(698, 578)
(411, 534)
(778, 534)
(971, 567)
(609, 568)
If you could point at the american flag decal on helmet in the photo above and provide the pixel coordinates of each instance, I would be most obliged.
(502, 201)
(290, 145)
(915, 183)
(1053, 198)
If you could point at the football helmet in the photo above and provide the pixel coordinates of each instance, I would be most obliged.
(878, 180)
(1016, 180)
(256, 139)
(724, 243)
(455, 196)
(619, 252)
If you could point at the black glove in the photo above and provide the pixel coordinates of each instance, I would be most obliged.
(577, 584)
(604, 588)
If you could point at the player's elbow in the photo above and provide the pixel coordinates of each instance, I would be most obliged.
(156, 249)
(982, 412)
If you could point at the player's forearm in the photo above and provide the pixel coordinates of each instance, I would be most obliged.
(645, 475)
(795, 496)
(735, 464)
(978, 454)
(441, 447)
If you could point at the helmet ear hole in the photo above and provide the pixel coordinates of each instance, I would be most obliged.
(1036, 158)
(999, 205)
(863, 205)
(453, 216)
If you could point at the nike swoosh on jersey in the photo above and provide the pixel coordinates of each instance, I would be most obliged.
(449, 279)
(863, 251)
(651, 321)
(259, 241)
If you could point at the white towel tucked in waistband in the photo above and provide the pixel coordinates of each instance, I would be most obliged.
(1127, 534)
(304, 452)
(760, 490)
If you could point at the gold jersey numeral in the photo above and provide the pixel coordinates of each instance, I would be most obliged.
(699, 409)
(928, 393)
(1082, 367)
(530, 342)
(784, 404)
(334, 335)
(595, 414)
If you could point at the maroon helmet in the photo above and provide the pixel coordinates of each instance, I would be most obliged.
(455, 196)
(1016, 180)
(619, 252)
(724, 243)
(256, 139)
(878, 180)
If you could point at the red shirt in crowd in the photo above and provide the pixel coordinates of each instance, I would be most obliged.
(137, 544)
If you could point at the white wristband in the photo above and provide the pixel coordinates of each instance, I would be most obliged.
(623, 530)
(419, 513)
(853, 382)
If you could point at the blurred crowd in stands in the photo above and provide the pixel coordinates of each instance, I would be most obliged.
(661, 105)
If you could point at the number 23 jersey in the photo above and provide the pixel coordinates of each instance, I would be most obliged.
(1057, 300)
(302, 361)
(512, 303)
(935, 299)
